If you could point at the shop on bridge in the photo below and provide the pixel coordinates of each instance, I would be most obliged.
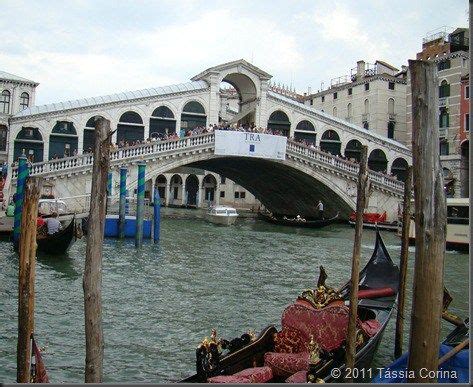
(279, 120)
(162, 122)
(377, 161)
(63, 140)
(330, 142)
(353, 150)
(193, 115)
(305, 131)
(29, 143)
(130, 128)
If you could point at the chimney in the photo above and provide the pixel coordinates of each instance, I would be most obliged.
(360, 68)
(309, 90)
(403, 68)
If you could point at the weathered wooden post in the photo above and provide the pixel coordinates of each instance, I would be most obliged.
(26, 278)
(406, 220)
(140, 205)
(156, 215)
(362, 189)
(23, 172)
(430, 224)
(92, 281)
(122, 204)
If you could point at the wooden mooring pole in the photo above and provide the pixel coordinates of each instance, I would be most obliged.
(92, 281)
(362, 189)
(406, 220)
(26, 278)
(430, 225)
(122, 204)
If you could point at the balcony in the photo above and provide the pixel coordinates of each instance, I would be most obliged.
(443, 102)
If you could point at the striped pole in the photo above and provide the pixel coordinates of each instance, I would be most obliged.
(122, 205)
(156, 215)
(20, 190)
(140, 205)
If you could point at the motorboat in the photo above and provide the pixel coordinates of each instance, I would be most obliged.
(222, 215)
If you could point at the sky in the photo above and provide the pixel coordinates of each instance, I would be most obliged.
(86, 48)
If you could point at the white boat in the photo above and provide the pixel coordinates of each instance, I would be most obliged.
(222, 215)
(458, 230)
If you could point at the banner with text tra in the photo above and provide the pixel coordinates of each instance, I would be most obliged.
(266, 146)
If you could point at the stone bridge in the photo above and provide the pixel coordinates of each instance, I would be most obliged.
(292, 186)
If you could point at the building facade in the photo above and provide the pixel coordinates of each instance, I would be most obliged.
(16, 94)
(449, 52)
(372, 96)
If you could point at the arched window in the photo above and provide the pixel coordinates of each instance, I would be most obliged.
(192, 116)
(377, 161)
(349, 112)
(334, 111)
(353, 150)
(305, 131)
(391, 106)
(367, 106)
(305, 125)
(88, 141)
(29, 143)
(444, 89)
(330, 142)
(24, 100)
(278, 120)
(130, 128)
(399, 168)
(444, 118)
(63, 140)
(162, 122)
(5, 102)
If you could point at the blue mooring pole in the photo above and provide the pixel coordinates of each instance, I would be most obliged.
(140, 205)
(156, 215)
(122, 204)
(23, 172)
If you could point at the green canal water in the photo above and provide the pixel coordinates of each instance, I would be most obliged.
(160, 301)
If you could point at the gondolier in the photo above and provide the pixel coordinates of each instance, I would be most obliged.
(320, 208)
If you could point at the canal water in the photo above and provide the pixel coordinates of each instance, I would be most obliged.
(162, 300)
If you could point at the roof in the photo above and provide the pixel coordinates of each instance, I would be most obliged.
(387, 65)
(12, 77)
(107, 99)
(338, 120)
(239, 62)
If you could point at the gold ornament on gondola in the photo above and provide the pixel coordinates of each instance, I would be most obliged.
(252, 334)
(320, 297)
(314, 351)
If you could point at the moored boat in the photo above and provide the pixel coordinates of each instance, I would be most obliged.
(298, 221)
(222, 215)
(59, 242)
(312, 340)
(375, 220)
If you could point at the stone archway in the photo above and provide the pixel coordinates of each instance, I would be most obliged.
(192, 189)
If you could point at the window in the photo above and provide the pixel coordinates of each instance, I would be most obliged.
(467, 122)
(24, 100)
(334, 111)
(391, 125)
(311, 102)
(367, 106)
(443, 148)
(242, 195)
(444, 118)
(457, 214)
(390, 106)
(5, 102)
(391, 85)
(222, 179)
(349, 110)
(366, 125)
(444, 89)
(323, 98)
(443, 65)
(367, 86)
(222, 194)
(467, 92)
(237, 195)
(335, 95)
(176, 191)
(350, 91)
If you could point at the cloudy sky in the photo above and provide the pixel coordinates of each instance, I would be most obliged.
(81, 48)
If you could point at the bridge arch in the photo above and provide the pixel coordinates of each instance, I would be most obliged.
(377, 161)
(193, 114)
(330, 142)
(175, 189)
(209, 185)
(192, 190)
(245, 86)
(63, 140)
(29, 141)
(279, 120)
(399, 168)
(130, 127)
(353, 150)
(160, 184)
(162, 121)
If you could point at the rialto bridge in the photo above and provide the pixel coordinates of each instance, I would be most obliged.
(291, 186)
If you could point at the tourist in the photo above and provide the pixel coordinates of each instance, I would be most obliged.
(320, 208)
(53, 223)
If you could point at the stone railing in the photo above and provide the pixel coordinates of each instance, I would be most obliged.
(148, 150)
(349, 167)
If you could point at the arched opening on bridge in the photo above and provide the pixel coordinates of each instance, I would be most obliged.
(192, 116)
(89, 135)
(448, 181)
(162, 122)
(330, 142)
(377, 161)
(29, 143)
(130, 128)
(279, 122)
(305, 132)
(399, 169)
(353, 150)
(63, 140)
(160, 185)
(192, 187)
(3, 138)
(465, 168)
(238, 99)
(210, 186)
(175, 194)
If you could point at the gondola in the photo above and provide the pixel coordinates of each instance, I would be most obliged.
(255, 359)
(59, 242)
(294, 222)
(393, 226)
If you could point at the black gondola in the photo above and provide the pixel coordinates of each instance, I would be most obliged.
(379, 274)
(59, 242)
(295, 222)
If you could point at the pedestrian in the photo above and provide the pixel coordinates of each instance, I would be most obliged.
(320, 207)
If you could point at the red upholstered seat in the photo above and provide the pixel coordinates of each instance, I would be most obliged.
(298, 377)
(370, 327)
(285, 364)
(248, 375)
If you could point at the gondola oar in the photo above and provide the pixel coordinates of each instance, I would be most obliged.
(454, 351)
